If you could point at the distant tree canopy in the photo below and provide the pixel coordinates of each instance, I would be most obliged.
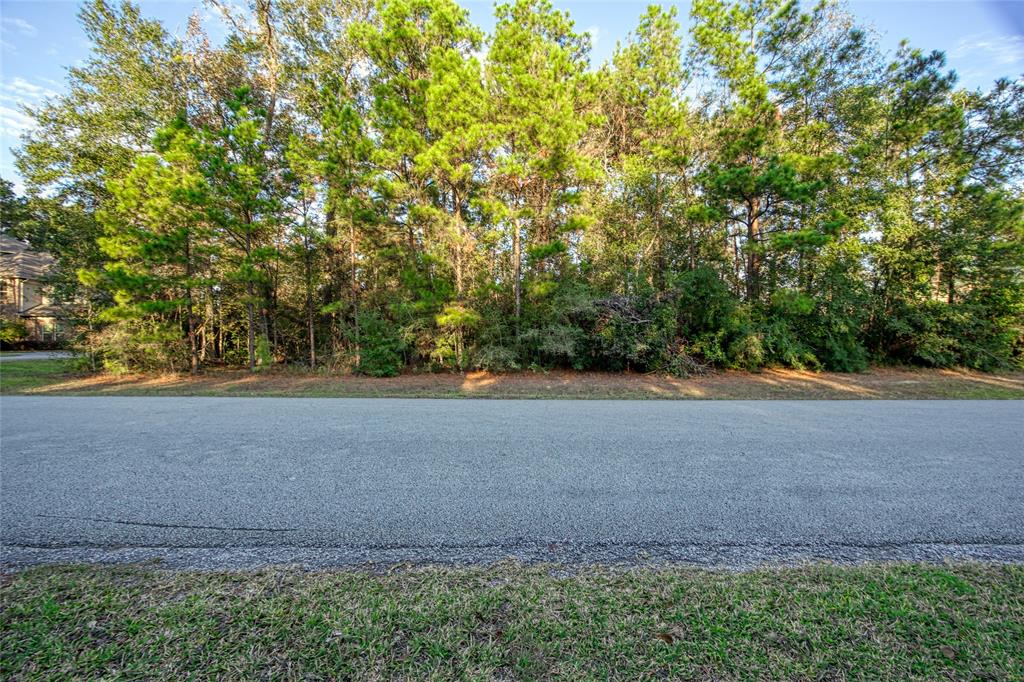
(382, 185)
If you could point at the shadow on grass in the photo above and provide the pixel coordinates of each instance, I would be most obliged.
(57, 377)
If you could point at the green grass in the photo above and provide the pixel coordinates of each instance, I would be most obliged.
(901, 621)
(20, 376)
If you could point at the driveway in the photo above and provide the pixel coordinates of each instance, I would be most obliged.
(35, 355)
(230, 482)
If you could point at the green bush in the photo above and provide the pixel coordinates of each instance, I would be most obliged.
(12, 331)
(495, 358)
(264, 357)
(380, 346)
(131, 345)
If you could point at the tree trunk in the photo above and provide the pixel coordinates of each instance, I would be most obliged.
(690, 246)
(250, 306)
(459, 284)
(658, 277)
(517, 267)
(334, 274)
(189, 309)
(251, 315)
(753, 257)
(267, 296)
(263, 14)
(309, 308)
(354, 285)
(209, 322)
(737, 262)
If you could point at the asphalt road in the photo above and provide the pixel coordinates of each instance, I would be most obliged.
(226, 482)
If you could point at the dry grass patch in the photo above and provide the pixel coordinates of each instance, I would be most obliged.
(56, 377)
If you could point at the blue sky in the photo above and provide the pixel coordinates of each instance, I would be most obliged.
(39, 39)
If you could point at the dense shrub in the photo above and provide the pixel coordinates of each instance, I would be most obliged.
(378, 346)
(12, 331)
(138, 344)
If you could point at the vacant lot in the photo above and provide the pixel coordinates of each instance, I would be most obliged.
(901, 621)
(57, 377)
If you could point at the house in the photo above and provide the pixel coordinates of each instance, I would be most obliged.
(22, 295)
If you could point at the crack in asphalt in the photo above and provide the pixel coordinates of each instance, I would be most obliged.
(351, 481)
(166, 525)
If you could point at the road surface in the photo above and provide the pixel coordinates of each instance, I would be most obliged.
(35, 355)
(235, 482)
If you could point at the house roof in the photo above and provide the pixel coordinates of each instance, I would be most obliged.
(18, 260)
(44, 311)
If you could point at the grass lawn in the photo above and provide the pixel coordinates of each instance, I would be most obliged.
(57, 377)
(898, 621)
(21, 376)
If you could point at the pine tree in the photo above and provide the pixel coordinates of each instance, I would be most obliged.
(645, 121)
(542, 101)
(378, 184)
(155, 237)
(243, 207)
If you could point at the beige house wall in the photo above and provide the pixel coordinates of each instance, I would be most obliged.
(18, 295)
(22, 294)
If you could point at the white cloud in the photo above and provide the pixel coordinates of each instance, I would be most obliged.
(22, 91)
(1002, 50)
(16, 93)
(228, 15)
(19, 26)
(12, 124)
(595, 34)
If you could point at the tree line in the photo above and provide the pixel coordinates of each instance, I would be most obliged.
(381, 185)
